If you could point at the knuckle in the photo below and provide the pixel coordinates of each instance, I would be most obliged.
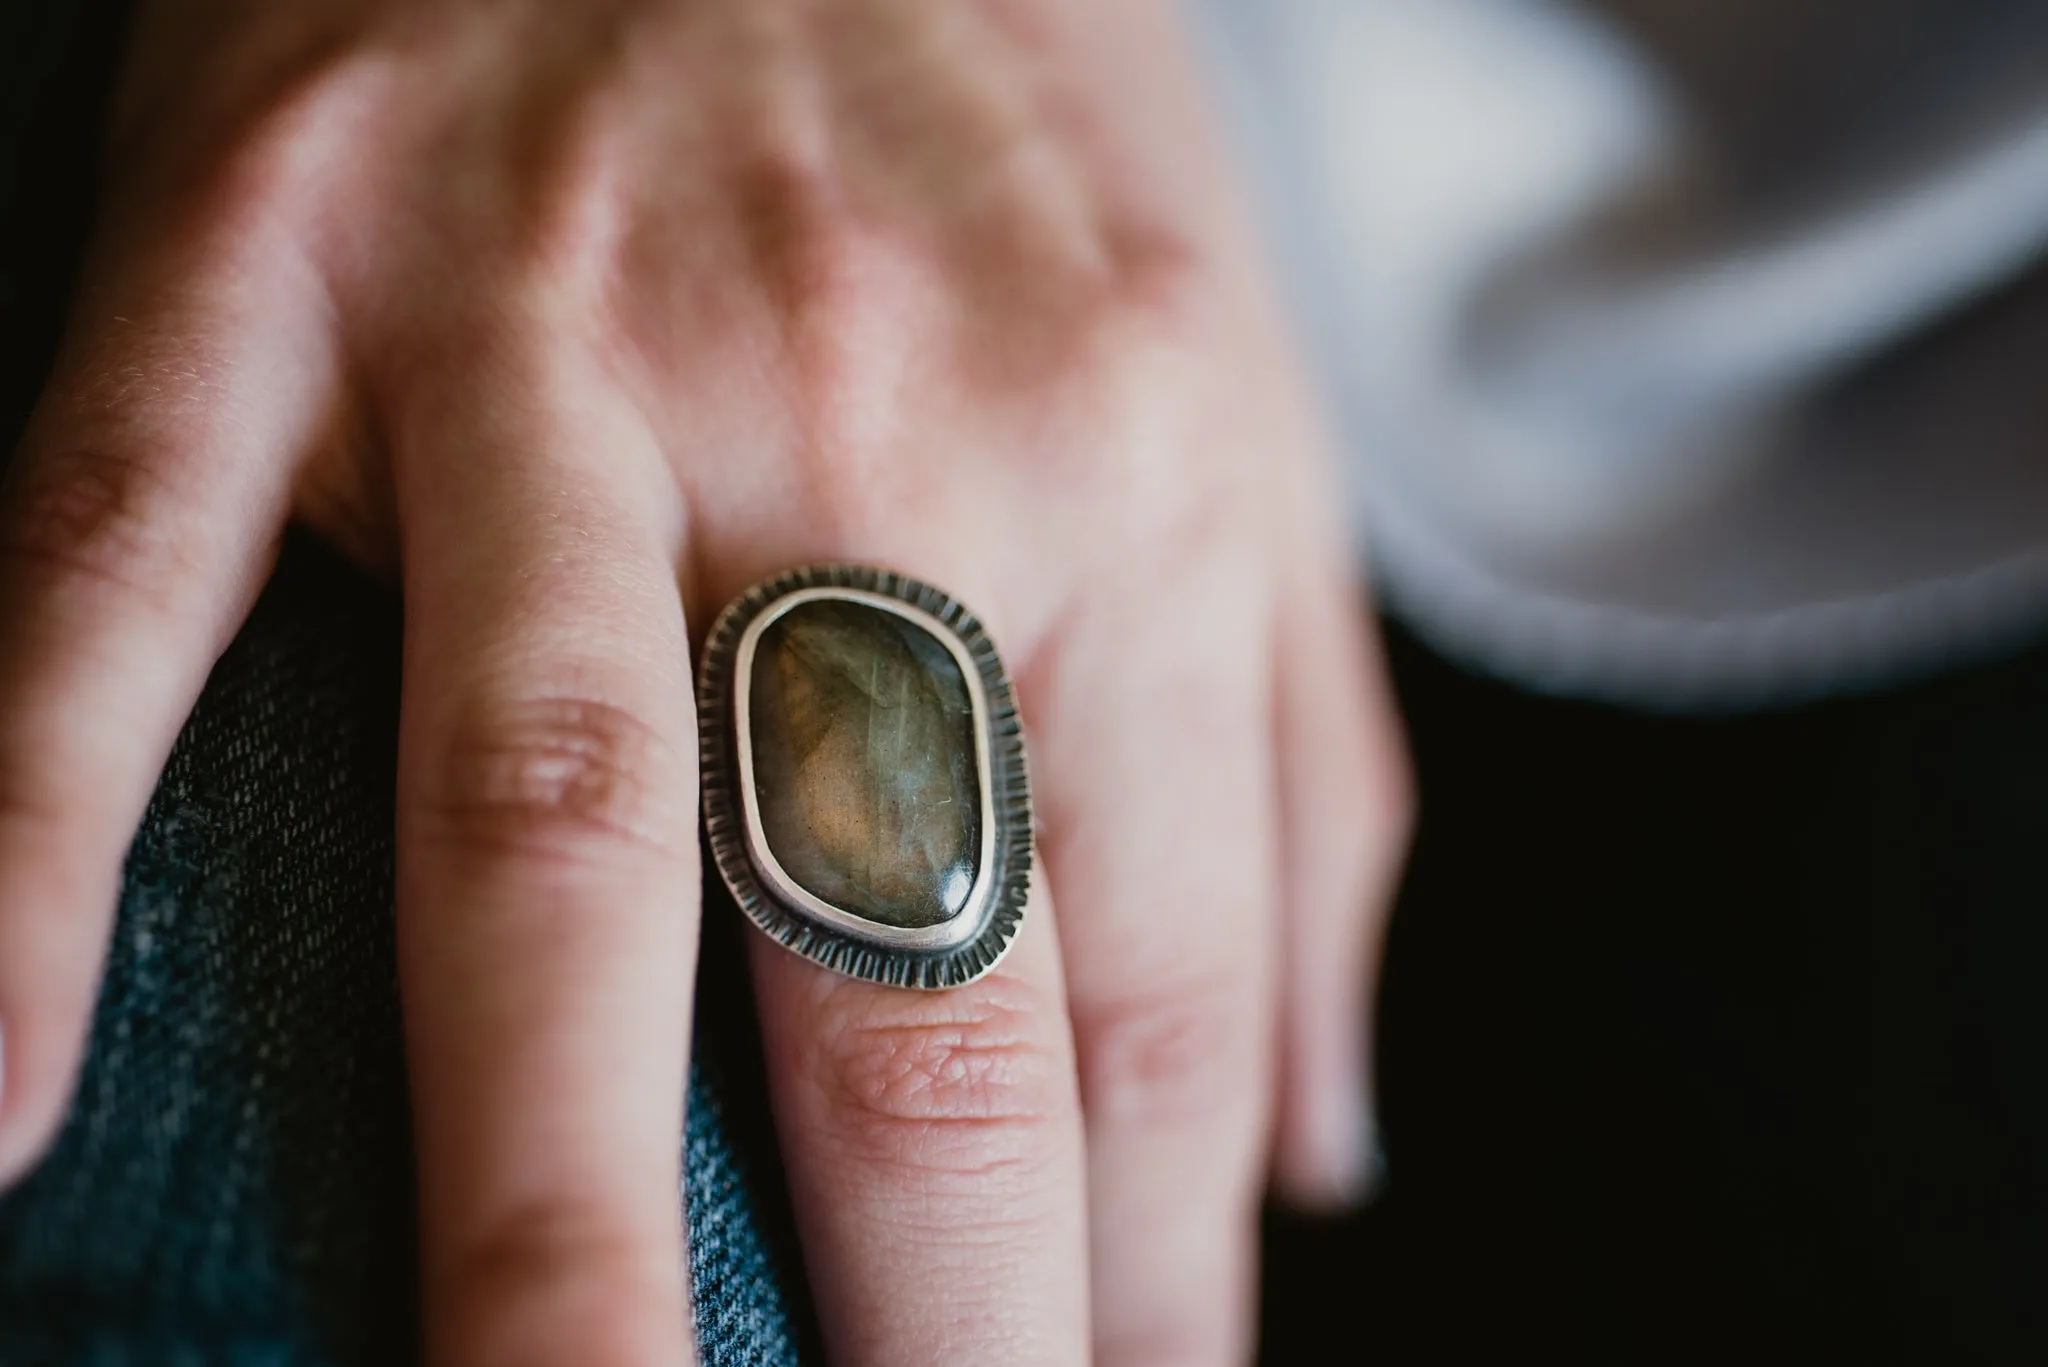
(31, 812)
(1162, 282)
(1140, 316)
(252, 160)
(534, 1244)
(1170, 1055)
(1141, 319)
(849, 296)
(1140, 351)
(603, 1279)
(946, 1086)
(558, 777)
(1209, 1334)
(805, 242)
(566, 238)
(96, 514)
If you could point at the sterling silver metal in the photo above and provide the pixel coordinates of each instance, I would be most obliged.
(950, 954)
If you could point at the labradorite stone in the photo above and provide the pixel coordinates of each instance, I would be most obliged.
(865, 763)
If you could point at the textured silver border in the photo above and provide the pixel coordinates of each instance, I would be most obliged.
(947, 955)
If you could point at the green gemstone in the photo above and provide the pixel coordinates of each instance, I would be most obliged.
(865, 762)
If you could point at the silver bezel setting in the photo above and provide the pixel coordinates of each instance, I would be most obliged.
(950, 954)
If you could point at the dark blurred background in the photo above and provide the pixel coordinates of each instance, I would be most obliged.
(1706, 1040)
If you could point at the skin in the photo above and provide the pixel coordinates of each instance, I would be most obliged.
(577, 319)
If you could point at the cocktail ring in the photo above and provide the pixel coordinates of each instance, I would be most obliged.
(865, 795)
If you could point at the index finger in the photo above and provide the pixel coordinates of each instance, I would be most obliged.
(136, 526)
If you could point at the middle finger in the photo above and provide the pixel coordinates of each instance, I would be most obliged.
(548, 868)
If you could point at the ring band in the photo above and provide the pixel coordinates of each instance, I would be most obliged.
(865, 793)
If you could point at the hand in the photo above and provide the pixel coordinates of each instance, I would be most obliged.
(579, 318)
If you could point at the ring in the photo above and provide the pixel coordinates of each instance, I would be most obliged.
(865, 794)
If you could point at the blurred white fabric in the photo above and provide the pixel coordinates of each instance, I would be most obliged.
(1694, 355)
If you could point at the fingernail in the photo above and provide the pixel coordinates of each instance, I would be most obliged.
(1353, 1163)
(1372, 1181)
(1364, 1163)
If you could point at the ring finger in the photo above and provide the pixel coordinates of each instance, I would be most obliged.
(932, 1139)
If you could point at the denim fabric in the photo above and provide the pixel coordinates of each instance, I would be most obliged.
(234, 1184)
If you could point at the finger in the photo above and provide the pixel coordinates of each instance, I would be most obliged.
(140, 518)
(934, 1152)
(547, 870)
(1345, 808)
(1159, 841)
